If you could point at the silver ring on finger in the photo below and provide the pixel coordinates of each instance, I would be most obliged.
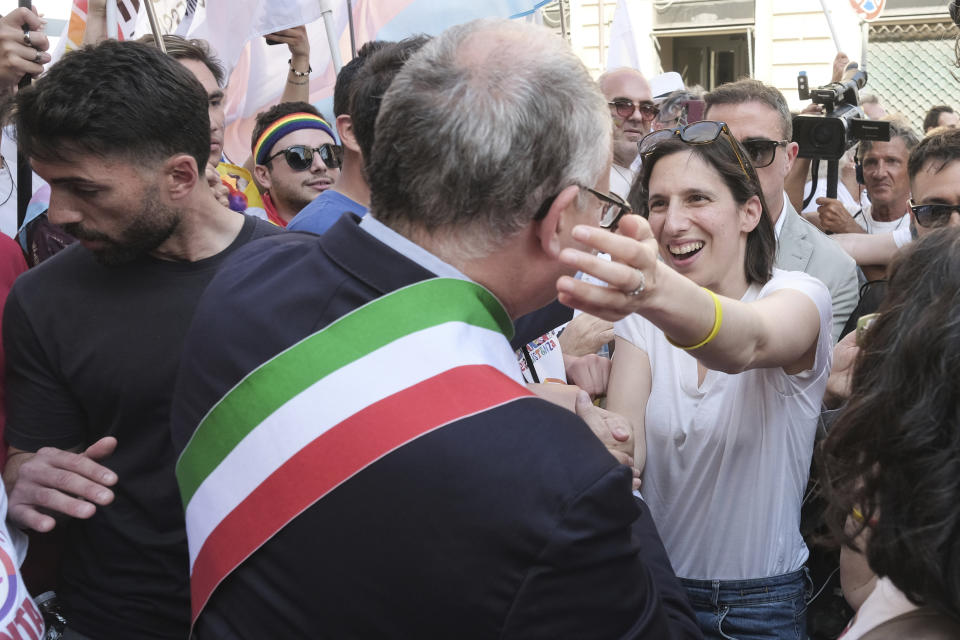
(37, 58)
(26, 39)
(641, 286)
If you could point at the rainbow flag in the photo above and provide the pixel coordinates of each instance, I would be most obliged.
(401, 366)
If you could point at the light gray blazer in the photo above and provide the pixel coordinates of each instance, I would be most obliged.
(803, 247)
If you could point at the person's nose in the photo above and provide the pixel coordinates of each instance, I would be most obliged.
(61, 211)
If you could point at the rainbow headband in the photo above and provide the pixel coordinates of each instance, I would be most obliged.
(285, 125)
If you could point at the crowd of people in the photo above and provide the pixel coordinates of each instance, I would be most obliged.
(448, 365)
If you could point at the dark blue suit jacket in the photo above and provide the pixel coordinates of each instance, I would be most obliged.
(514, 523)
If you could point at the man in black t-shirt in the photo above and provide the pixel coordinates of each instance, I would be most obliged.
(94, 335)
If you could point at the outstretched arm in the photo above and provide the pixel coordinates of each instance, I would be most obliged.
(743, 336)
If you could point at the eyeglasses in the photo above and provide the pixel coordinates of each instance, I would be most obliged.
(625, 109)
(702, 132)
(300, 157)
(762, 152)
(614, 208)
(933, 215)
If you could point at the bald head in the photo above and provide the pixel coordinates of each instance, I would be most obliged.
(623, 86)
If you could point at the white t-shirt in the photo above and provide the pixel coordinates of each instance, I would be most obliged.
(843, 195)
(868, 224)
(19, 617)
(621, 179)
(727, 462)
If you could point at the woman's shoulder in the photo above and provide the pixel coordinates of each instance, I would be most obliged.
(798, 280)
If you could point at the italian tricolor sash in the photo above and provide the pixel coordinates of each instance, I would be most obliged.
(307, 420)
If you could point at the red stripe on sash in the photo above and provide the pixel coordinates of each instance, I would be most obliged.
(338, 454)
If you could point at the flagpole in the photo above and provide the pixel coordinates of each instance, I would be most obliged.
(326, 10)
(353, 38)
(833, 30)
(112, 25)
(24, 171)
(154, 25)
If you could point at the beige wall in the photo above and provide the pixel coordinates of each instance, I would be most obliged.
(790, 36)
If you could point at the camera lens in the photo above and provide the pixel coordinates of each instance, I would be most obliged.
(822, 135)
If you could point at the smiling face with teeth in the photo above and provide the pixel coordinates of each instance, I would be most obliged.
(701, 229)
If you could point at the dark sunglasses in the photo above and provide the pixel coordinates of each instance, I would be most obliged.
(625, 109)
(932, 215)
(614, 208)
(300, 157)
(702, 132)
(762, 152)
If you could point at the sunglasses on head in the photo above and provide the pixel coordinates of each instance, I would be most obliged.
(702, 132)
(625, 109)
(299, 157)
(933, 215)
(762, 152)
(614, 208)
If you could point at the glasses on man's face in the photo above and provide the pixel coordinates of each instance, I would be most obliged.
(614, 208)
(625, 109)
(762, 152)
(702, 132)
(933, 215)
(299, 157)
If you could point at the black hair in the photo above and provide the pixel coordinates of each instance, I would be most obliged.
(932, 119)
(116, 98)
(943, 147)
(343, 88)
(372, 82)
(894, 452)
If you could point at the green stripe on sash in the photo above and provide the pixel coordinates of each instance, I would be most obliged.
(364, 330)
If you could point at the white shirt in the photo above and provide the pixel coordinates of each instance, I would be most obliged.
(621, 179)
(843, 195)
(868, 224)
(727, 462)
(19, 616)
(778, 227)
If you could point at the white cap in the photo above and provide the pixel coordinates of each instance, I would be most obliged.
(664, 84)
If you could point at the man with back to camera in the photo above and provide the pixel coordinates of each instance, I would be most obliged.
(296, 158)
(759, 118)
(474, 509)
(351, 191)
(93, 336)
(633, 113)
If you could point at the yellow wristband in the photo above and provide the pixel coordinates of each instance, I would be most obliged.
(717, 321)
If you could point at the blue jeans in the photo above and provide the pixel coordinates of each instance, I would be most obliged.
(772, 608)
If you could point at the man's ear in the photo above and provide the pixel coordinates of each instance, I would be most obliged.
(181, 175)
(790, 151)
(262, 174)
(345, 130)
(750, 213)
(560, 219)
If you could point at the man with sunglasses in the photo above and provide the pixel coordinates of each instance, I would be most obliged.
(631, 106)
(437, 498)
(934, 171)
(296, 158)
(758, 116)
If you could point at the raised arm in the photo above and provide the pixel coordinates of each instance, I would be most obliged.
(741, 335)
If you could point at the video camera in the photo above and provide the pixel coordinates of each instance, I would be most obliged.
(842, 124)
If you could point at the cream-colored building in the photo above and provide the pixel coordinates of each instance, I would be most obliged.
(909, 48)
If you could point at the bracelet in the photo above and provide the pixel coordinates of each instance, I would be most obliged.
(299, 74)
(717, 321)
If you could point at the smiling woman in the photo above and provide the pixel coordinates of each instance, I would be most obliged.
(722, 396)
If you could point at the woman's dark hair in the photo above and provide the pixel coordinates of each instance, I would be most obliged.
(719, 154)
(894, 452)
